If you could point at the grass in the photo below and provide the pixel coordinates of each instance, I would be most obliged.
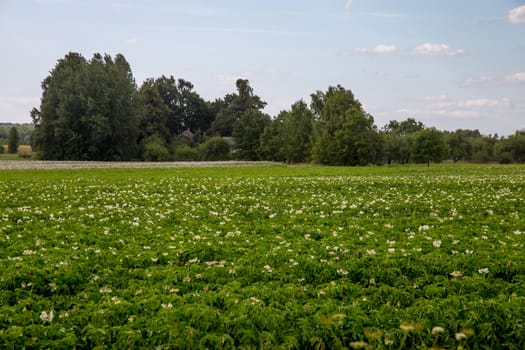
(263, 257)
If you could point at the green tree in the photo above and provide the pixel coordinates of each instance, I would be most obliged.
(511, 148)
(272, 140)
(12, 145)
(233, 106)
(398, 139)
(344, 133)
(187, 110)
(288, 137)
(429, 145)
(154, 149)
(247, 132)
(214, 149)
(484, 148)
(152, 116)
(460, 143)
(87, 110)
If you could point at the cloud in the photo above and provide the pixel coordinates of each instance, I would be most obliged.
(515, 78)
(517, 15)
(430, 113)
(131, 41)
(479, 80)
(441, 106)
(430, 49)
(475, 103)
(379, 49)
(348, 4)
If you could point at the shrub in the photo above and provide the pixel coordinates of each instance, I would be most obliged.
(214, 149)
(505, 158)
(185, 154)
(155, 149)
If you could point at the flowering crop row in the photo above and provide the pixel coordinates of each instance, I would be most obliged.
(260, 257)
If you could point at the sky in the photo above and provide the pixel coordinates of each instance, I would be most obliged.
(448, 63)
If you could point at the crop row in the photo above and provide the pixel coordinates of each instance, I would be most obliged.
(430, 259)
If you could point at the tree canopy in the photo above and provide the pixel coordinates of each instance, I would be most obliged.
(87, 110)
(93, 110)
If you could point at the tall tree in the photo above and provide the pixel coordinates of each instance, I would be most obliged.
(247, 132)
(288, 137)
(460, 143)
(12, 145)
(153, 113)
(233, 106)
(398, 139)
(429, 145)
(344, 133)
(187, 110)
(87, 110)
(511, 148)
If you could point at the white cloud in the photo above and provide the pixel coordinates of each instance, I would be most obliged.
(379, 49)
(436, 98)
(384, 49)
(132, 41)
(437, 50)
(431, 113)
(475, 103)
(515, 78)
(517, 15)
(480, 80)
(348, 4)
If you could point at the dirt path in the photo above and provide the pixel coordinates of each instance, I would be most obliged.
(35, 164)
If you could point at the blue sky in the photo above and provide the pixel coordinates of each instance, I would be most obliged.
(448, 63)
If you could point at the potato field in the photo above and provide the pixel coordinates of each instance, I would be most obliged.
(263, 257)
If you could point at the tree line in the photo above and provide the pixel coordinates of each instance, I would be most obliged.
(13, 135)
(94, 110)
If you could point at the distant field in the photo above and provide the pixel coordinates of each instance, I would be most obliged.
(24, 152)
(263, 256)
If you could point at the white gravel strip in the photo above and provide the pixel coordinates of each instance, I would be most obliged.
(38, 164)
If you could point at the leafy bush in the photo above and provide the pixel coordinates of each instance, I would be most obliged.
(505, 158)
(214, 149)
(155, 150)
(185, 154)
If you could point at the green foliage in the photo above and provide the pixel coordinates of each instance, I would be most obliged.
(398, 139)
(153, 112)
(263, 257)
(214, 149)
(187, 110)
(233, 106)
(288, 137)
(24, 132)
(185, 154)
(511, 149)
(87, 110)
(247, 132)
(429, 145)
(13, 141)
(92, 110)
(460, 144)
(344, 133)
(155, 149)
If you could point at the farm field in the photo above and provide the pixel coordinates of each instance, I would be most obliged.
(265, 256)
